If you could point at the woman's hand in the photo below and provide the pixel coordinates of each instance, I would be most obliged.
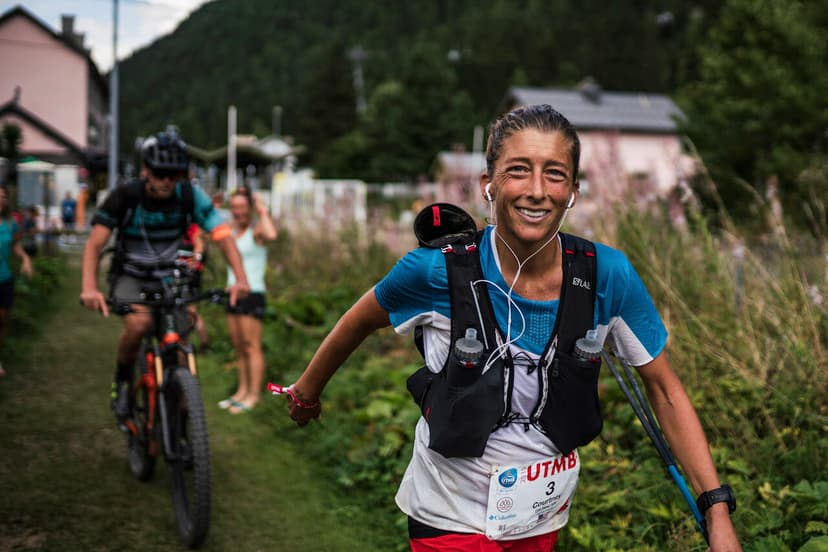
(258, 204)
(26, 267)
(301, 414)
(237, 291)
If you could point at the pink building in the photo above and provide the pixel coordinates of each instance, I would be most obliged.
(52, 90)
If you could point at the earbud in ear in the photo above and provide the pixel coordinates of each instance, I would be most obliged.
(488, 192)
(571, 201)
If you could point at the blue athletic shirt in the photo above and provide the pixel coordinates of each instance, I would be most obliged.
(154, 231)
(8, 230)
(452, 493)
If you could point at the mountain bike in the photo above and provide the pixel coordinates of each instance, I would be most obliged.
(167, 413)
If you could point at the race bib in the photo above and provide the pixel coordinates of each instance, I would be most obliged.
(522, 497)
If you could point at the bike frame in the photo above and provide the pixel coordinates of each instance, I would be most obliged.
(153, 378)
(163, 350)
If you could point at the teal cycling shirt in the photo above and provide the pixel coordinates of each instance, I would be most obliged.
(154, 229)
(8, 230)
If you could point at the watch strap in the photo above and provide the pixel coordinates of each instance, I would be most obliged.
(714, 496)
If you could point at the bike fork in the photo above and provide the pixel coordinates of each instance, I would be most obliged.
(165, 427)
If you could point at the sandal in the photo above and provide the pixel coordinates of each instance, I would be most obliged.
(240, 408)
(227, 403)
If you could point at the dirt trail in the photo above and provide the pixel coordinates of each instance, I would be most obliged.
(64, 481)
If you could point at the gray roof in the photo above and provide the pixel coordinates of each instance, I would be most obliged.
(589, 107)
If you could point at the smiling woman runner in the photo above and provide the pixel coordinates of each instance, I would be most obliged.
(495, 462)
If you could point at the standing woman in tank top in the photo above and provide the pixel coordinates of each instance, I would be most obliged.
(245, 319)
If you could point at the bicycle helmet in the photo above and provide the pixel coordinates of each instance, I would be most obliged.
(165, 151)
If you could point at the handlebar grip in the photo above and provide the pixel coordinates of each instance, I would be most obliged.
(120, 309)
(215, 295)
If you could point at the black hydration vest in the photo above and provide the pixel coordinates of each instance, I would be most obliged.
(464, 405)
(135, 193)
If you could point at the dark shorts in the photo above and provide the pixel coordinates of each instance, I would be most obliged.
(127, 289)
(7, 294)
(252, 305)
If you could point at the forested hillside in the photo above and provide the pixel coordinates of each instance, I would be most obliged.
(453, 60)
(750, 75)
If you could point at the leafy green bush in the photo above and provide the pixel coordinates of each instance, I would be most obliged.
(33, 299)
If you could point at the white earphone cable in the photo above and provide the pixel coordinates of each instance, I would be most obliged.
(509, 301)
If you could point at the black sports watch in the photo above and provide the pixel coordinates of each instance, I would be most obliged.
(714, 496)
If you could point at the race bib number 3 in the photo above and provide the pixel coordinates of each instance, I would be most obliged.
(523, 496)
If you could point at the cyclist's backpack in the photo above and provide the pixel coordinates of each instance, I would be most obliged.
(135, 194)
(464, 405)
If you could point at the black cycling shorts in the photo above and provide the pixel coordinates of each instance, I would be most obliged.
(128, 289)
(7, 294)
(252, 305)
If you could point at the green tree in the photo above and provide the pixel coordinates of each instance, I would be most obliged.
(328, 110)
(410, 119)
(759, 109)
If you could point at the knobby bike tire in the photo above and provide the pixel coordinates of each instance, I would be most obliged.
(141, 461)
(190, 466)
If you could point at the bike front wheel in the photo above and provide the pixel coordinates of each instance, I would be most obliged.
(189, 463)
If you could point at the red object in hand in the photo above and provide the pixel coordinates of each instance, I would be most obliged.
(281, 390)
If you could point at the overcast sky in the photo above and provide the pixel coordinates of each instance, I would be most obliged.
(139, 21)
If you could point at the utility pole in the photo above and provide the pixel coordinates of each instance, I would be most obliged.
(357, 55)
(231, 148)
(277, 121)
(113, 103)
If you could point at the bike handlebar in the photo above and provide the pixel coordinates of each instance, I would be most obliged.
(216, 295)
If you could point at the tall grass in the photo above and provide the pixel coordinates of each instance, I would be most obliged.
(748, 337)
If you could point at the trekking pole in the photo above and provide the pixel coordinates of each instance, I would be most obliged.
(645, 415)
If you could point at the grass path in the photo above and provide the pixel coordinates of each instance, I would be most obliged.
(65, 484)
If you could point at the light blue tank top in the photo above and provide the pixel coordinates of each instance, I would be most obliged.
(254, 259)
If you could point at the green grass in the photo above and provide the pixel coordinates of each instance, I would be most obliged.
(65, 484)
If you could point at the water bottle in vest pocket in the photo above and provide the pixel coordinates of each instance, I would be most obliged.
(572, 416)
(460, 418)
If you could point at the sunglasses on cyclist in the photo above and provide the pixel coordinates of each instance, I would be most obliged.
(172, 174)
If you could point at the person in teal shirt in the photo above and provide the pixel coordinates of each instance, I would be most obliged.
(9, 242)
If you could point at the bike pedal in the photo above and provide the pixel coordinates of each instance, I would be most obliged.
(123, 427)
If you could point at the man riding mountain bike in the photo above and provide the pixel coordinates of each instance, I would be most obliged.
(151, 214)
